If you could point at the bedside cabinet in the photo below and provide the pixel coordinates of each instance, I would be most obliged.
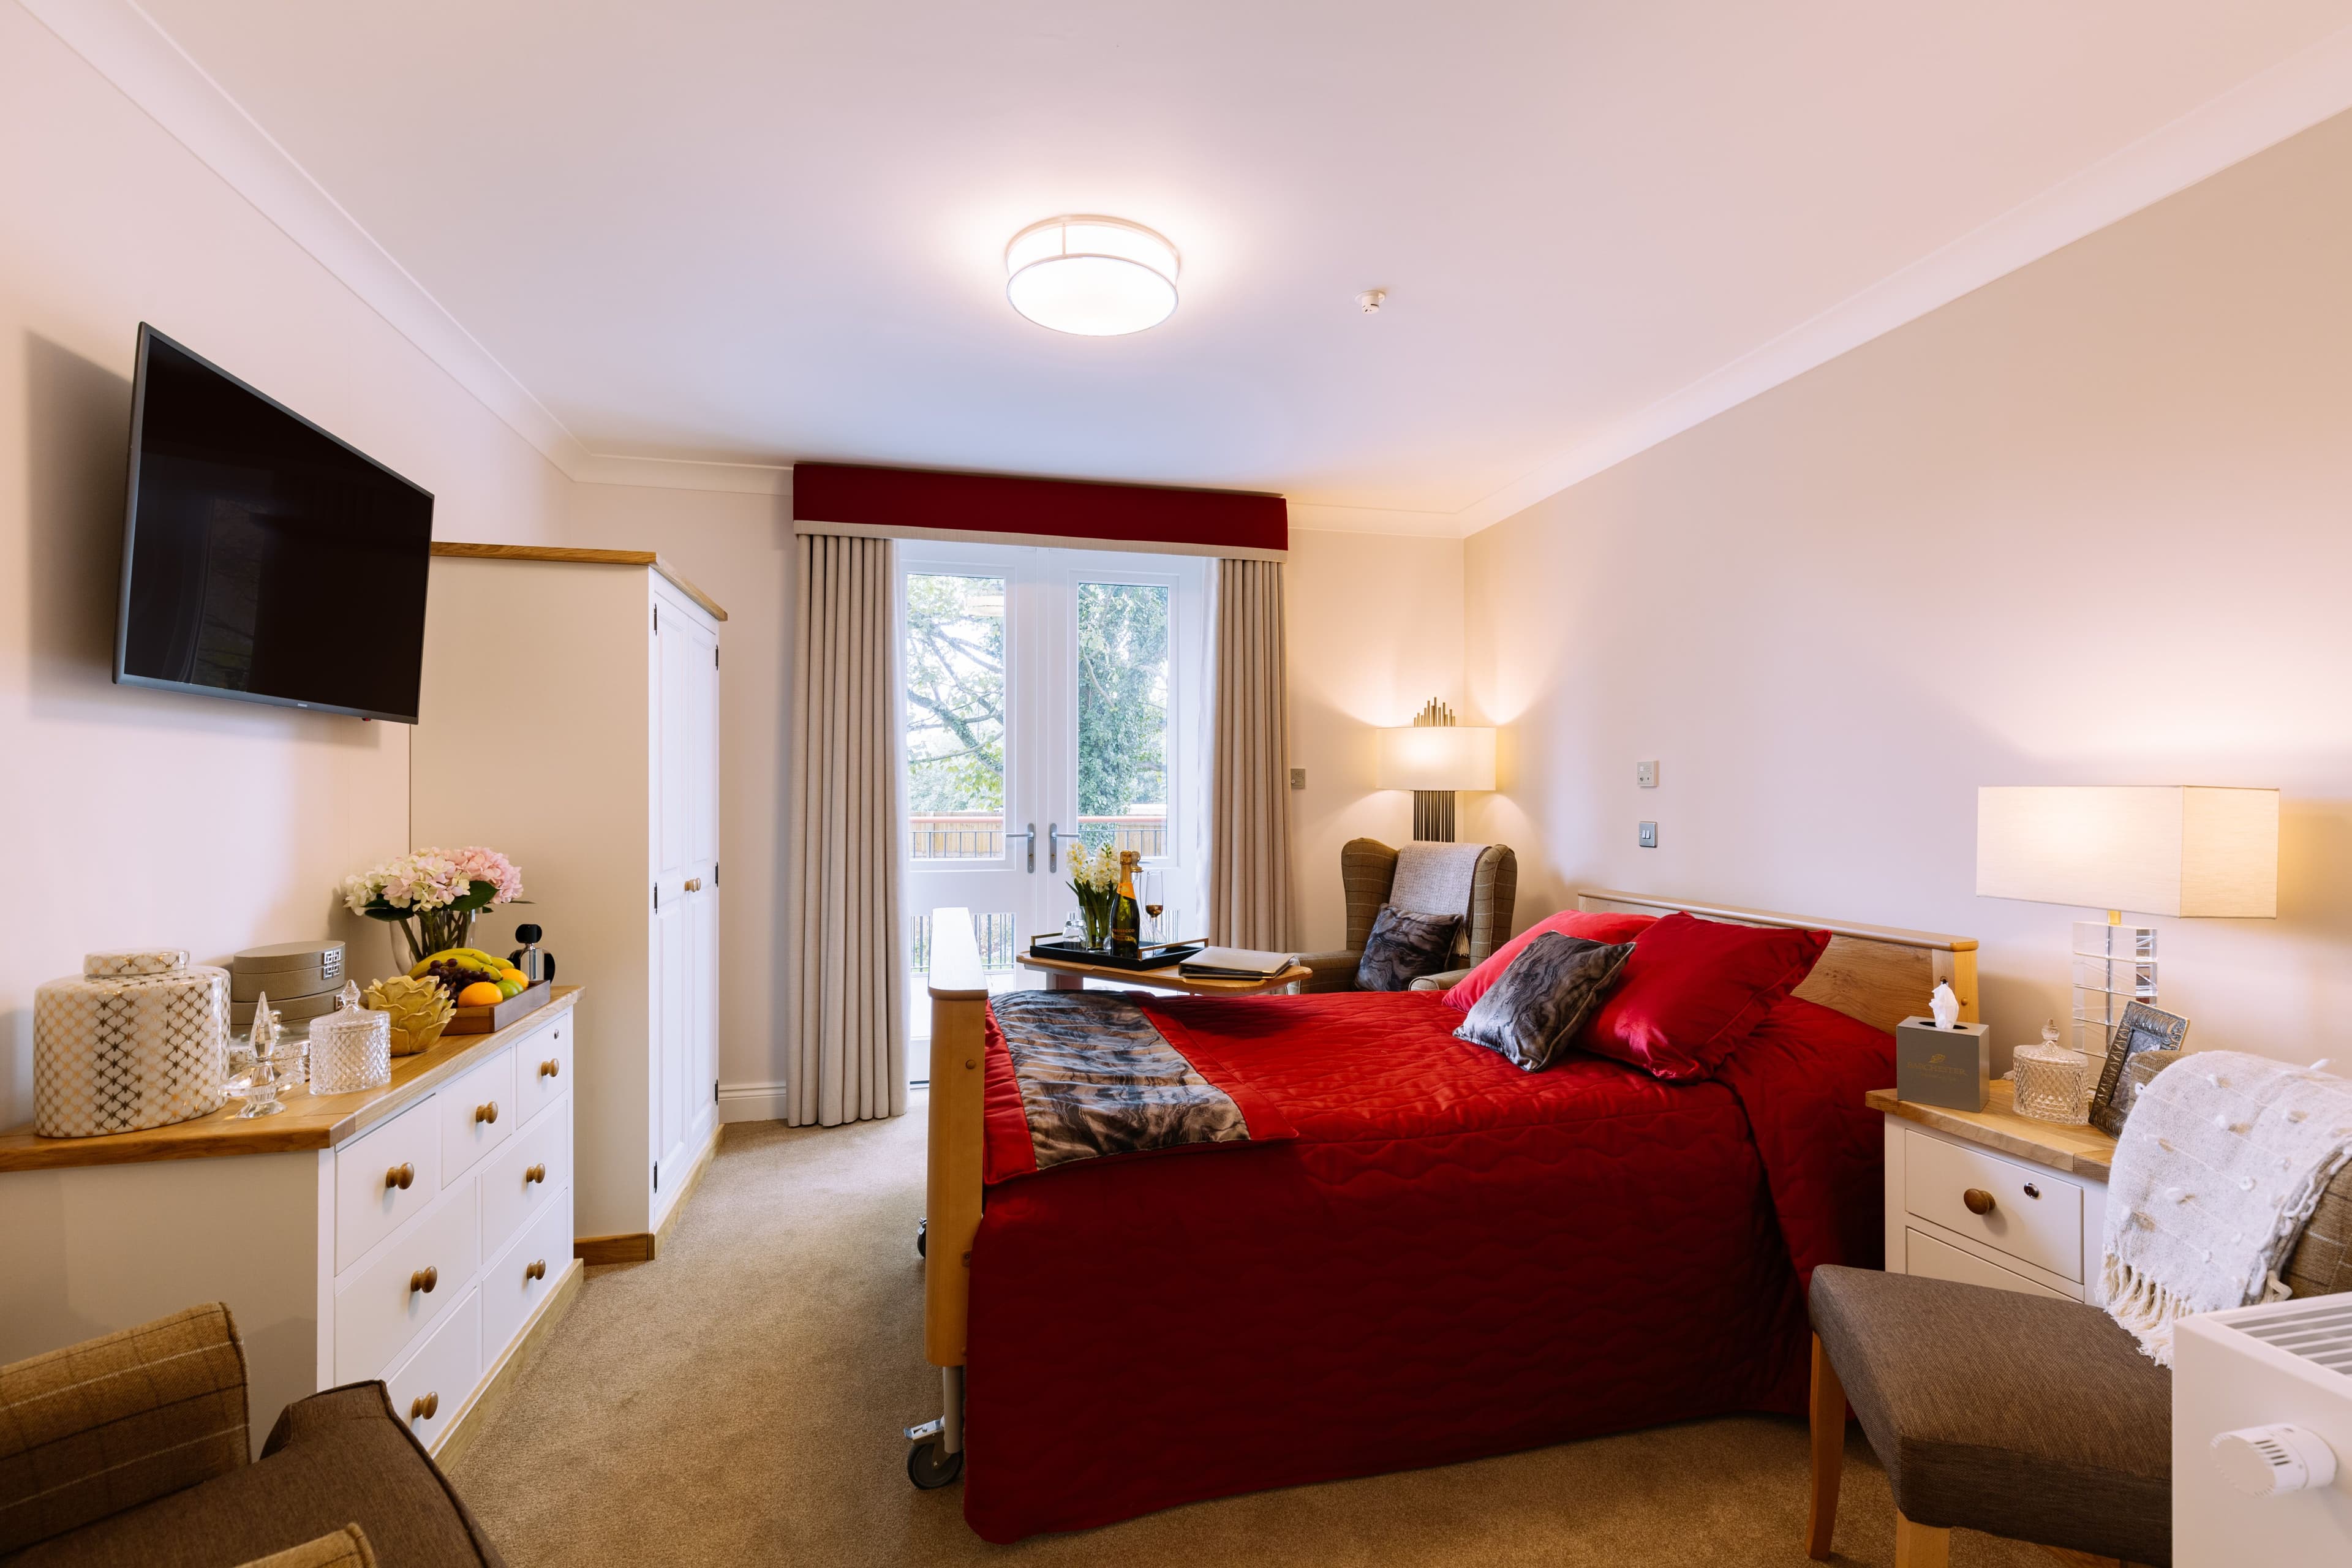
(1990, 1197)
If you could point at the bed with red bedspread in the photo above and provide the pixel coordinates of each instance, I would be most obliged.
(1449, 1259)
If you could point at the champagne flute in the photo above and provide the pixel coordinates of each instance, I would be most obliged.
(1154, 892)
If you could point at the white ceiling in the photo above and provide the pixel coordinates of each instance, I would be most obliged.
(756, 232)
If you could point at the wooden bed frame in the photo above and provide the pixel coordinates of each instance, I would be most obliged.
(1879, 975)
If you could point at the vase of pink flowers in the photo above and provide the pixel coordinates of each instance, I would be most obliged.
(433, 895)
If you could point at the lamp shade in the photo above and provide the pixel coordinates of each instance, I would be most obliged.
(2163, 851)
(1437, 756)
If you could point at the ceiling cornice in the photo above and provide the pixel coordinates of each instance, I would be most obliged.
(2260, 112)
(126, 47)
(132, 51)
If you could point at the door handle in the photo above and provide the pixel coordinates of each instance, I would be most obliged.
(1054, 839)
(1032, 837)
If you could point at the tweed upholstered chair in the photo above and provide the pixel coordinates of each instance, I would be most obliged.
(1367, 871)
(132, 1450)
(2025, 1417)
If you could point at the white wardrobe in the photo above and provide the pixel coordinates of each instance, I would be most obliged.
(569, 717)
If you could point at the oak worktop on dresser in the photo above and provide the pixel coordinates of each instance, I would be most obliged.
(308, 1121)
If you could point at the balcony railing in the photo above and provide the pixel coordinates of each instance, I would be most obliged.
(979, 835)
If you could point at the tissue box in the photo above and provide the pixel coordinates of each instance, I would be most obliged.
(1950, 1067)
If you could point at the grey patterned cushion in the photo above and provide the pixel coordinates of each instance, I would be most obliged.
(1403, 947)
(1544, 998)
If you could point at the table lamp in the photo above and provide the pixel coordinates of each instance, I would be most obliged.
(2162, 850)
(1433, 757)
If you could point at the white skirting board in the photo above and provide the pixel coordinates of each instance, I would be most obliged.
(751, 1102)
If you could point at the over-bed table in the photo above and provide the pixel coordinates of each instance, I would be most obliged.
(1437, 1257)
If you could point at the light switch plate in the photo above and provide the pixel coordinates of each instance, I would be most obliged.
(1646, 775)
(1298, 778)
(1649, 836)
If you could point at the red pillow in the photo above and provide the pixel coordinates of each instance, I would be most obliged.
(1695, 989)
(1607, 929)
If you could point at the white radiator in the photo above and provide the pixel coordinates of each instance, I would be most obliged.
(2261, 1436)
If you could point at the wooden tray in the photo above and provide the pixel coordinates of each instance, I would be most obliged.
(490, 1020)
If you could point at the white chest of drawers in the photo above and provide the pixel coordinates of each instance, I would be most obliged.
(1991, 1198)
(420, 1233)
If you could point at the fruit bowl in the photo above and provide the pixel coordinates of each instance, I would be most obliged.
(488, 993)
(490, 1020)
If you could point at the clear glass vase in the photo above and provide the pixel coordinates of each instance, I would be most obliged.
(435, 931)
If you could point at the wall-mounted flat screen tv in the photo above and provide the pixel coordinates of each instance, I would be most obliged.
(262, 558)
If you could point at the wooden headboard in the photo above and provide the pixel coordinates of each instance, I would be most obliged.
(1880, 974)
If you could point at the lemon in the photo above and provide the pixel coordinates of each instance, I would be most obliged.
(481, 993)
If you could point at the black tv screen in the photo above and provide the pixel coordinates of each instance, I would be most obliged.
(262, 558)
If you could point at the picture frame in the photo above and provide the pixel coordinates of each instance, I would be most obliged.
(2142, 1028)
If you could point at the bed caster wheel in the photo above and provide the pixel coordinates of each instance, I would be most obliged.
(930, 1469)
(922, 1231)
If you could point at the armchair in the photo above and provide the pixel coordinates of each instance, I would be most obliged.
(1367, 872)
(131, 1449)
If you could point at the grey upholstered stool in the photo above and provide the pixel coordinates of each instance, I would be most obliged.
(2025, 1416)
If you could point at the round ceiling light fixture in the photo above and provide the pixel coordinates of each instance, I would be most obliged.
(1097, 277)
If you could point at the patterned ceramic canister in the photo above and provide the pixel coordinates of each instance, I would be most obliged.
(137, 1039)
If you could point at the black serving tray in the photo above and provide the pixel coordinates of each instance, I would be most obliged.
(1155, 956)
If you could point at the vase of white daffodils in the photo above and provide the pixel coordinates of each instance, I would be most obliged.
(1094, 878)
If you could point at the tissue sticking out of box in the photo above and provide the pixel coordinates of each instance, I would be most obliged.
(1945, 1005)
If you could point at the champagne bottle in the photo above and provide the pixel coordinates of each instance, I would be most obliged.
(1126, 922)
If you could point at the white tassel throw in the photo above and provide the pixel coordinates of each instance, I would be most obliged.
(2218, 1171)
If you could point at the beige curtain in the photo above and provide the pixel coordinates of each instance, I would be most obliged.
(846, 985)
(1249, 781)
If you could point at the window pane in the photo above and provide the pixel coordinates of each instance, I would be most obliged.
(1123, 715)
(955, 717)
(999, 938)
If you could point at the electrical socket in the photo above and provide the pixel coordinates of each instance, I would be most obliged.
(1649, 838)
(1646, 775)
(1298, 778)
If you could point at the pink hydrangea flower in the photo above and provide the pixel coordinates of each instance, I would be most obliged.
(476, 864)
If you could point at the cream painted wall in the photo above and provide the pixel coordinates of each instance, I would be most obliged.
(1375, 630)
(137, 816)
(738, 550)
(2090, 524)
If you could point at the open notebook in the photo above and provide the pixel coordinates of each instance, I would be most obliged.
(1235, 963)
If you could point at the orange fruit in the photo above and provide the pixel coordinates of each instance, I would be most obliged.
(480, 994)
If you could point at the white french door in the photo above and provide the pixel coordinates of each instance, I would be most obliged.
(1049, 699)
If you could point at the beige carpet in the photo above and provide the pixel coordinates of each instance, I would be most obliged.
(740, 1400)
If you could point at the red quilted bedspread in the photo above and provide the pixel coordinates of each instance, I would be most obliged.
(1452, 1258)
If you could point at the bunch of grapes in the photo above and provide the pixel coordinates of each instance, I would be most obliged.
(453, 976)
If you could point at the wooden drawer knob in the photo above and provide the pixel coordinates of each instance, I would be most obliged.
(487, 1112)
(535, 1269)
(1979, 1200)
(424, 1407)
(552, 1068)
(425, 1280)
(694, 884)
(399, 1176)
(534, 1173)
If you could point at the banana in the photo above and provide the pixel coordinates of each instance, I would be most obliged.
(473, 960)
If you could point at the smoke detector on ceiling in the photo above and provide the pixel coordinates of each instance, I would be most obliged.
(1369, 301)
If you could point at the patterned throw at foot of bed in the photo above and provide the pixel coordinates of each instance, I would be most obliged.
(1096, 1078)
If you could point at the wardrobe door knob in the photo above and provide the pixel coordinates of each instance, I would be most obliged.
(535, 1269)
(487, 1112)
(424, 1407)
(534, 1173)
(399, 1176)
(694, 884)
(1979, 1200)
(425, 1280)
